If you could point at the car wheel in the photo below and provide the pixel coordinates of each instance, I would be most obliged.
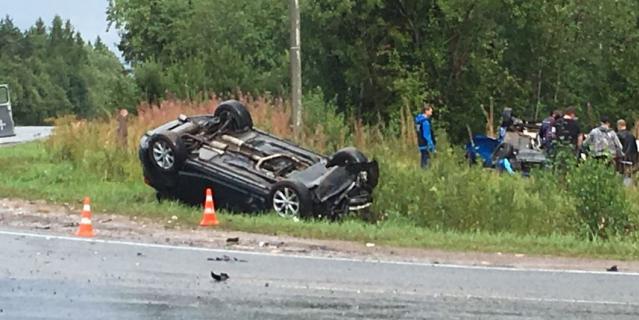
(235, 112)
(291, 199)
(167, 152)
(345, 156)
(348, 155)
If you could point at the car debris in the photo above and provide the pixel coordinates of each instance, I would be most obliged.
(612, 269)
(521, 145)
(219, 259)
(226, 258)
(250, 170)
(220, 277)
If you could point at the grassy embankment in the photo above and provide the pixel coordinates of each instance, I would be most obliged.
(451, 206)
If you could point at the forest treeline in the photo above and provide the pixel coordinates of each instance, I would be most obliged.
(370, 57)
(52, 71)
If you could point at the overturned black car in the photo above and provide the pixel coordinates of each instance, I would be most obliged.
(250, 170)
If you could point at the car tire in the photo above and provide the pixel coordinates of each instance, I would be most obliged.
(348, 155)
(166, 152)
(291, 199)
(345, 156)
(234, 111)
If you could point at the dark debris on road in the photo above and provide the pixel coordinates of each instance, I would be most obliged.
(221, 277)
(226, 258)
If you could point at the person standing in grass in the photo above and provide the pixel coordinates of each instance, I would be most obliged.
(425, 134)
(547, 131)
(628, 141)
(568, 137)
(603, 143)
(567, 129)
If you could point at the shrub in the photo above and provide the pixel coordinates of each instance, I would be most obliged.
(453, 196)
(601, 203)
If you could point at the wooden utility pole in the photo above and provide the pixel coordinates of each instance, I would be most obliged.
(296, 67)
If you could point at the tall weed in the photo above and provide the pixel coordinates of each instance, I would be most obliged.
(325, 128)
(450, 195)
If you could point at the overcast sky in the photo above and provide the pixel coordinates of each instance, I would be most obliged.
(87, 16)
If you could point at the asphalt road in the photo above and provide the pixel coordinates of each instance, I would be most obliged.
(25, 134)
(44, 277)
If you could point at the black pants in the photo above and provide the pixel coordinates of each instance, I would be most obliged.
(425, 158)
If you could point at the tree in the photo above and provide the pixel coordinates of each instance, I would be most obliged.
(55, 73)
(202, 45)
(377, 56)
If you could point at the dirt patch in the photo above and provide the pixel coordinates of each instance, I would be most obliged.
(38, 216)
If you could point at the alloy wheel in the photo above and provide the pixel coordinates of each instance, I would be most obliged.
(163, 155)
(286, 203)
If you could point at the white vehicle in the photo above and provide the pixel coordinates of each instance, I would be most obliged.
(6, 117)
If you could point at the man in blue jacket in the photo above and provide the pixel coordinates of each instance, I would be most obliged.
(425, 134)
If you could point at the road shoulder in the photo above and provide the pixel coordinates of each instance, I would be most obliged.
(38, 216)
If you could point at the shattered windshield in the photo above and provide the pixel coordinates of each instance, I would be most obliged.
(4, 95)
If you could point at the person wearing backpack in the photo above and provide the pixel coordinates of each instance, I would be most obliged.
(602, 142)
(425, 134)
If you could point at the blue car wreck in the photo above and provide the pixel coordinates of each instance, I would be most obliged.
(517, 151)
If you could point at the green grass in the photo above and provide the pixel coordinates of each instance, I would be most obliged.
(28, 172)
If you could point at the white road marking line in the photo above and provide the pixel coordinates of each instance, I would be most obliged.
(540, 300)
(267, 254)
(458, 296)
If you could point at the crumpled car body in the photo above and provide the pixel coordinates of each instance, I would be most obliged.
(250, 170)
(520, 149)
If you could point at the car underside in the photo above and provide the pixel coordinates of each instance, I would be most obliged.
(251, 170)
(520, 144)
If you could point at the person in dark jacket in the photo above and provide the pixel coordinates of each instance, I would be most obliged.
(425, 134)
(547, 132)
(568, 135)
(628, 142)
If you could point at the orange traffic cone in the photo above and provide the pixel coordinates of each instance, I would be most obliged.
(86, 228)
(209, 218)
